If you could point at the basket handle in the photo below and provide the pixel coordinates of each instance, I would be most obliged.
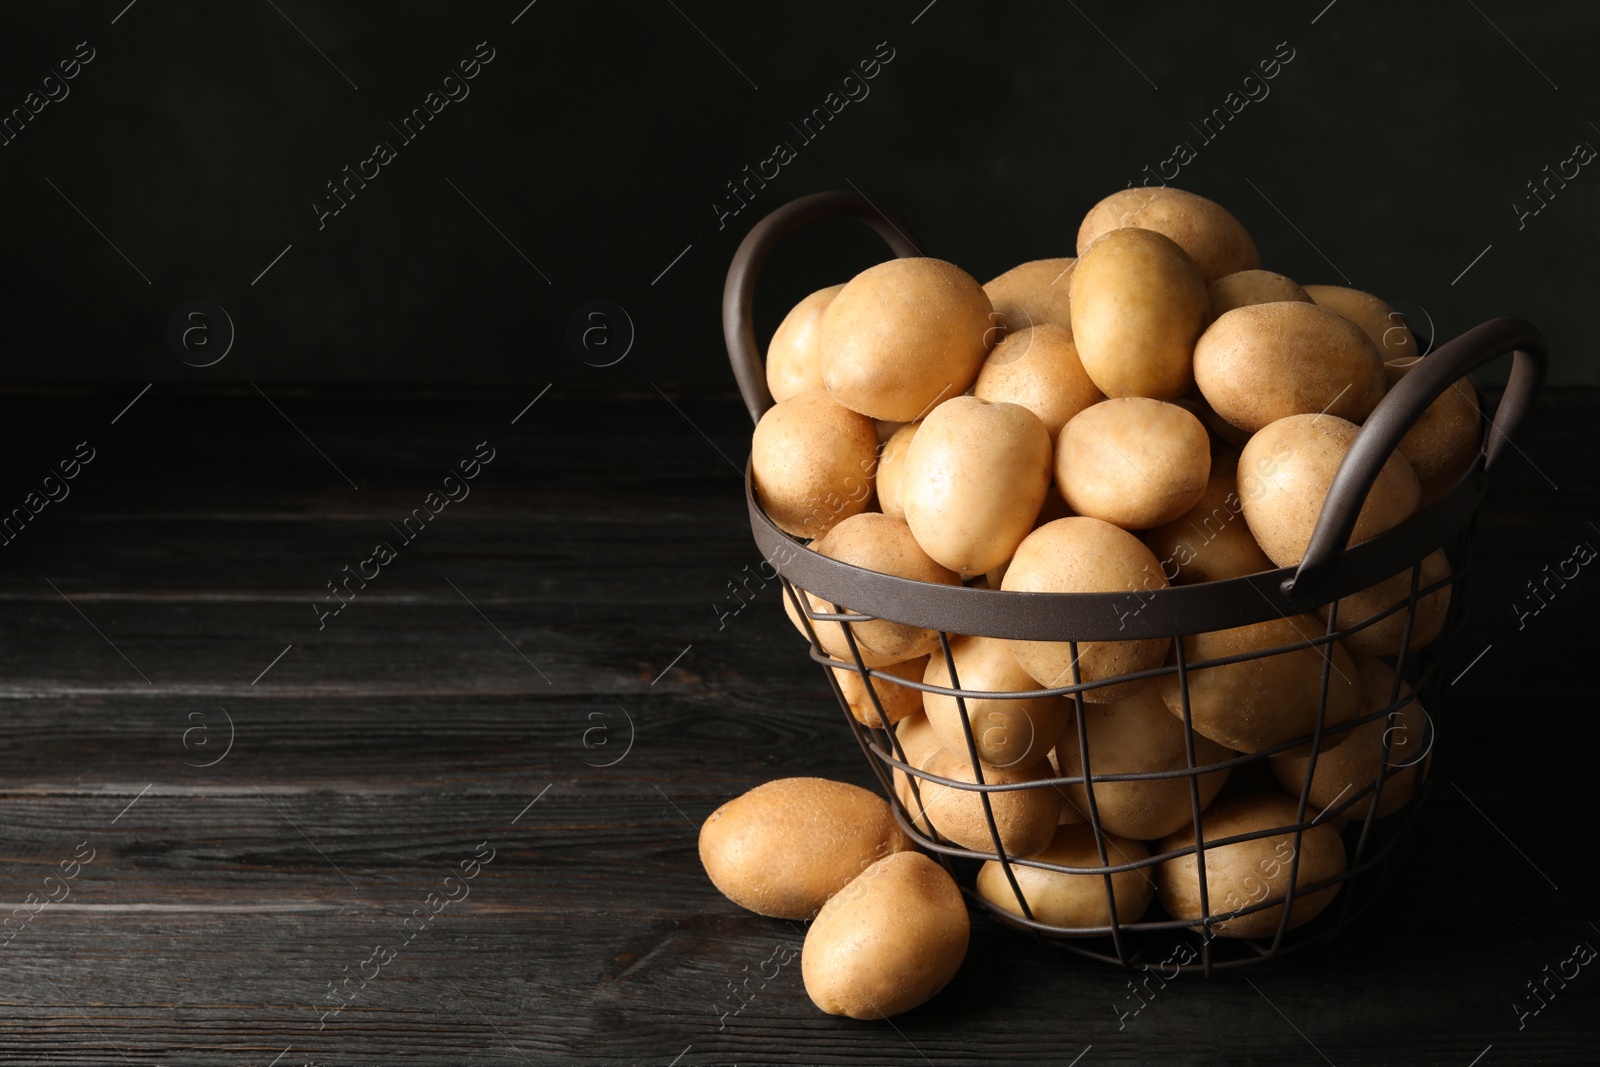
(1399, 410)
(739, 294)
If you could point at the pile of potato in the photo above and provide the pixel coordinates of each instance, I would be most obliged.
(1158, 411)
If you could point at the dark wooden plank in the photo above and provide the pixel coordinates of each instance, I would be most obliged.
(208, 926)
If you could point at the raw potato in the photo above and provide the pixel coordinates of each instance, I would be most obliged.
(917, 739)
(813, 462)
(975, 478)
(1134, 462)
(1383, 637)
(785, 847)
(892, 470)
(1284, 474)
(1355, 765)
(1444, 442)
(1248, 287)
(903, 335)
(1074, 901)
(1130, 736)
(1033, 293)
(1083, 555)
(1210, 541)
(898, 701)
(876, 542)
(1204, 229)
(1261, 702)
(1265, 362)
(1386, 326)
(1038, 367)
(792, 365)
(888, 941)
(1026, 818)
(1138, 306)
(1006, 733)
(1248, 872)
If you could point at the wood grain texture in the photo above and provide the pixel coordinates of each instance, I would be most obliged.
(224, 902)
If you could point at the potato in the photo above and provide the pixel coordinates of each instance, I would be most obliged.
(785, 847)
(1033, 293)
(1246, 287)
(1386, 326)
(1356, 764)
(1383, 637)
(1134, 735)
(812, 462)
(1083, 555)
(792, 364)
(1138, 306)
(1248, 872)
(898, 701)
(1210, 541)
(916, 737)
(879, 543)
(975, 478)
(892, 470)
(888, 941)
(1284, 474)
(1074, 901)
(1265, 701)
(1133, 462)
(1216, 241)
(1006, 733)
(1443, 444)
(1026, 818)
(903, 335)
(1038, 367)
(1265, 362)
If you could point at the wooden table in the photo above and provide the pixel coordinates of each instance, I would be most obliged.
(244, 812)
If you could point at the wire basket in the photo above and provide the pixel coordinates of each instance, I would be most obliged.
(1188, 941)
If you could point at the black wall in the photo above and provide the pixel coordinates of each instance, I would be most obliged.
(1391, 149)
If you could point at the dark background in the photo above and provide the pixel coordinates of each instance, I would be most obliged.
(1397, 141)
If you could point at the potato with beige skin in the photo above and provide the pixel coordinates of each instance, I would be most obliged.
(888, 941)
(1443, 444)
(891, 474)
(1038, 367)
(792, 364)
(1284, 474)
(1247, 287)
(876, 542)
(1383, 324)
(1079, 554)
(1264, 701)
(975, 476)
(1006, 733)
(1026, 818)
(1355, 765)
(1137, 735)
(1211, 541)
(1248, 872)
(1265, 362)
(785, 847)
(897, 701)
(1204, 229)
(1138, 306)
(1383, 637)
(903, 335)
(1134, 462)
(1074, 901)
(1033, 293)
(813, 463)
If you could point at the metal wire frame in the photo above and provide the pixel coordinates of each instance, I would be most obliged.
(1371, 857)
(1328, 572)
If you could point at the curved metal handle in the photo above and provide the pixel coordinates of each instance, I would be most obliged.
(1399, 410)
(739, 294)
